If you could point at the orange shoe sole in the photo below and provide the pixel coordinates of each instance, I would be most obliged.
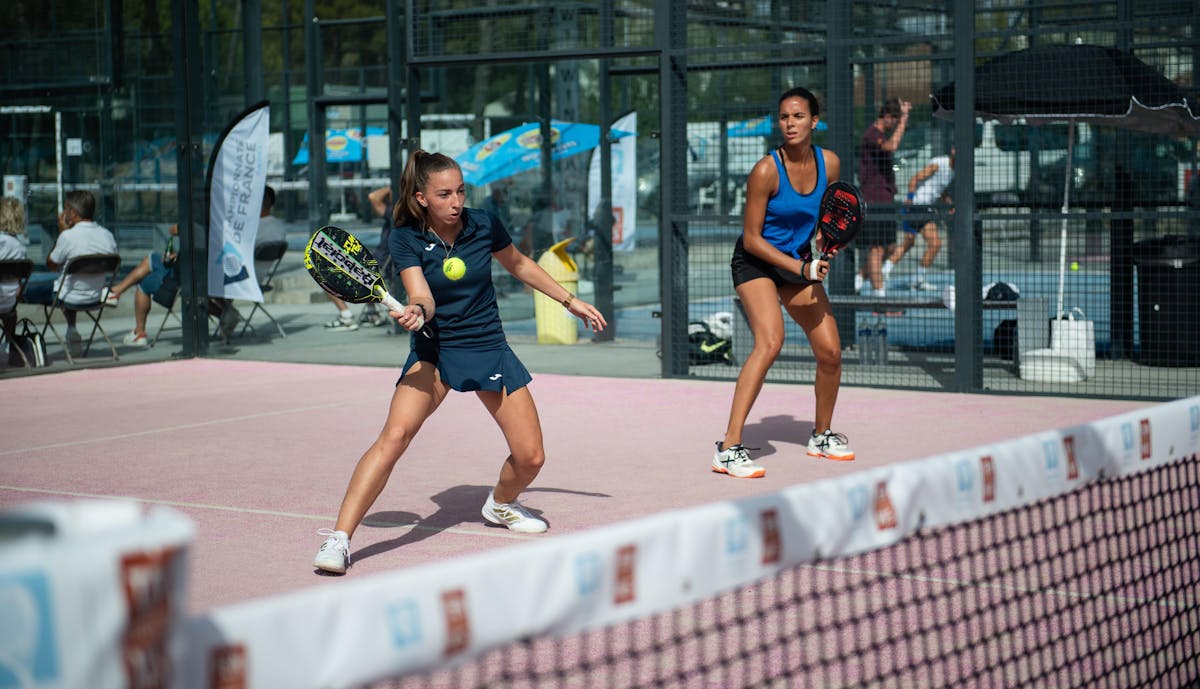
(833, 459)
(758, 474)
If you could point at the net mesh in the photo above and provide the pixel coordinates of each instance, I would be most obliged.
(1095, 587)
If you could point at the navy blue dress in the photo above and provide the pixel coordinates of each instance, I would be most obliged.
(467, 342)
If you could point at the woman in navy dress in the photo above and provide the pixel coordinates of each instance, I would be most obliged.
(773, 264)
(443, 253)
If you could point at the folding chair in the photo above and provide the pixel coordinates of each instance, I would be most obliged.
(273, 252)
(169, 300)
(102, 266)
(17, 271)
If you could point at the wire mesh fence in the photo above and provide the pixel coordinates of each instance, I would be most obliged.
(702, 78)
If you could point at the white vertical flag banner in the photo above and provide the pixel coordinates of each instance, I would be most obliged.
(237, 178)
(624, 183)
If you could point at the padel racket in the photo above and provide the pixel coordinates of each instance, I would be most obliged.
(842, 211)
(343, 267)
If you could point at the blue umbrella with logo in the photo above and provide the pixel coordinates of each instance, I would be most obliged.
(520, 148)
(341, 145)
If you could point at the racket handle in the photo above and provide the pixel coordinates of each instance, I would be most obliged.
(389, 301)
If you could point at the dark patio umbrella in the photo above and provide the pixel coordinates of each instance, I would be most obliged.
(1076, 83)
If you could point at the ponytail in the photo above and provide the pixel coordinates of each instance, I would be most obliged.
(421, 164)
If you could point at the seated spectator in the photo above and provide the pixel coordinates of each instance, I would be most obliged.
(270, 229)
(148, 276)
(12, 248)
(153, 270)
(79, 235)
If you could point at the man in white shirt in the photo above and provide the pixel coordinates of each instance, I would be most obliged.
(79, 235)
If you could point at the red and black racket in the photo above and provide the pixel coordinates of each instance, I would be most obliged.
(842, 212)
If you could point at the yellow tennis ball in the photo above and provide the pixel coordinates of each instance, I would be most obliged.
(1074, 265)
(454, 268)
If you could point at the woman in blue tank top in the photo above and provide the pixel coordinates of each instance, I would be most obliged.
(772, 265)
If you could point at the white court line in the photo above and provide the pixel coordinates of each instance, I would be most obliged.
(271, 513)
(171, 429)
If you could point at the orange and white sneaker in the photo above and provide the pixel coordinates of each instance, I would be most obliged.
(830, 445)
(735, 461)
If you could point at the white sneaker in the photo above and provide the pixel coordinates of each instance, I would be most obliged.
(513, 515)
(340, 323)
(830, 445)
(334, 555)
(736, 462)
(135, 340)
(110, 300)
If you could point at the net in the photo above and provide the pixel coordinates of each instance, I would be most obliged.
(1061, 559)
(1093, 588)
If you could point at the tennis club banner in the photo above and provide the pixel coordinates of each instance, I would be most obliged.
(624, 183)
(237, 176)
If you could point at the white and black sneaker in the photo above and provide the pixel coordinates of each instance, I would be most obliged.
(334, 555)
(830, 445)
(339, 324)
(735, 461)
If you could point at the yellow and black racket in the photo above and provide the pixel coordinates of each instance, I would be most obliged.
(345, 268)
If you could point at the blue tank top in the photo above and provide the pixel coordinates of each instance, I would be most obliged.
(791, 217)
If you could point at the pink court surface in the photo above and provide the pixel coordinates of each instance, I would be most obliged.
(257, 455)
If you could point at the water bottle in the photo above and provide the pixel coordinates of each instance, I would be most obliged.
(881, 350)
(868, 348)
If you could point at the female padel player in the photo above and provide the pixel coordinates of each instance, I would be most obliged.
(443, 252)
(772, 264)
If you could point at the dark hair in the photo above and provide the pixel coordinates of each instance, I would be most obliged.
(82, 202)
(890, 107)
(421, 164)
(814, 107)
(268, 197)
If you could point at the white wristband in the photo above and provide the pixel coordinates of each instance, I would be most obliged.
(812, 270)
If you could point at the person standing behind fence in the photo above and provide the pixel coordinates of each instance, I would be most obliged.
(466, 349)
(928, 187)
(877, 183)
(773, 263)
